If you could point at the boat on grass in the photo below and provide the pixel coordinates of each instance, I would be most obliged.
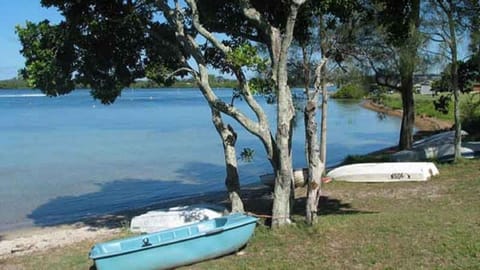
(162, 219)
(439, 147)
(384, 172)
(299, 176)
(177, 246)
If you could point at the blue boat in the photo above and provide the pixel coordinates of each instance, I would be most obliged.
(177, 246)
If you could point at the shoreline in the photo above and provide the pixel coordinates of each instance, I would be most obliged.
(422, 122)
(28, 240)
(23, 241)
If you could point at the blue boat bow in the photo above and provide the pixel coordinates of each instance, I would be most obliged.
(177, 246)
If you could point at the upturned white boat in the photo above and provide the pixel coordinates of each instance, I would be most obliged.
(299, 176)
(384, 172)
(157, 220)
(438, 147)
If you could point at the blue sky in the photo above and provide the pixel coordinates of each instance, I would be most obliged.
(17, 12)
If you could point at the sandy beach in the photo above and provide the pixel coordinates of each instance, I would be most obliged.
(257, 198)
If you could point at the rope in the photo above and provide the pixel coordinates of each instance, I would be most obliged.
(265, 216)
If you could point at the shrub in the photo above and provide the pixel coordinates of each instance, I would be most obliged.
(350, 91)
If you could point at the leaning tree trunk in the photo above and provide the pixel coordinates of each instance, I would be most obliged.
(229, 138)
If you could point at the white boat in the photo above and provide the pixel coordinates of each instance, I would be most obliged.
(157, 220)
(438, 147)
(384, 172)
(299, 176)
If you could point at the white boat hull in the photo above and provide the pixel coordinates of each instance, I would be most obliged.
(157, 220)
(438, 147)
(299, 176)
(384, 172)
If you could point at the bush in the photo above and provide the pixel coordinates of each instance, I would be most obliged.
(470, 110)
(350, 91)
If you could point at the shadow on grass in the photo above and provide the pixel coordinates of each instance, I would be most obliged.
(328, 206)
(260, 204)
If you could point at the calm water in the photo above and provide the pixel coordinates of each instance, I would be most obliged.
(69, 157)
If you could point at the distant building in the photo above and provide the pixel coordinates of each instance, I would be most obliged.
(419, 78)
(426, 88)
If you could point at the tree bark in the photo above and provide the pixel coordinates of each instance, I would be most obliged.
(454, 71)
(229, 138)
(284, 185)
(408, 60)
(408, 117)
(316, 150)
(284, 174)
(315, 166)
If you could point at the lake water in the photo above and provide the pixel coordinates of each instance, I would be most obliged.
(70, 157)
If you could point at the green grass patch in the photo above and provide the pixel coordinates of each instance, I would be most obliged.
(423, 106)
(417, 225)
(469, 109)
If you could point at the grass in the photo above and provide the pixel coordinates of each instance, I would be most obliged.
(422, 225)
(423, 106)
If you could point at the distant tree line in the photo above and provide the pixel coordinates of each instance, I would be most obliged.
(13, 84)
(216, 82)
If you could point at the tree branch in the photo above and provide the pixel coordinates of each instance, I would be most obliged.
(187, 69)
(204, 32)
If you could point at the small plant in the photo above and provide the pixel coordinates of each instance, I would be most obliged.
(247, 154)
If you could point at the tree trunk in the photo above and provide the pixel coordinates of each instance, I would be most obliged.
(284, 174)
(316, 151)
(456, 91)
(456, 108)
(323, 128)
(408, 62)
(283, 191)
(278, 45)
(408, 117)
(315, 165)
(229, 138)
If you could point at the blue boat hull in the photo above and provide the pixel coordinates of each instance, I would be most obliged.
(176, 247)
